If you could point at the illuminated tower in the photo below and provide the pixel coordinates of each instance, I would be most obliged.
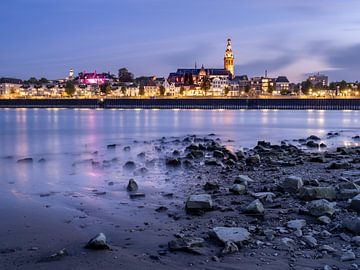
(229, 58)
(71, 74)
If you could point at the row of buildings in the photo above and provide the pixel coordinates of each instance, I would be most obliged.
(184, 82)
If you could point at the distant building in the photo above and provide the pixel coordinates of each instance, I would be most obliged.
(9, 86)
(319, 79)
(282, 84)
(195, 76)
(94, 78)
(262, 85)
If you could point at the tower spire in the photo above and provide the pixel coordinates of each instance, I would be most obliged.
(229, 58)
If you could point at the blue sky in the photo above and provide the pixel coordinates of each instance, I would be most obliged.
(154, 37)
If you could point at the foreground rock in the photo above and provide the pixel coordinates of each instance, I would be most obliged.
(56, 256)
(235, 235)
(313, 193)
(355, 203)
(199, 202)
(98, 242)
(187, 244)
(292, 184)
(352, 224)
(321, 207)
(132, 186)
(255, 207)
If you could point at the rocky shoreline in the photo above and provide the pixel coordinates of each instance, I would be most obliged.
(286, 206)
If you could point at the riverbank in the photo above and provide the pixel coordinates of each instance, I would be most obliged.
(269, 193)
(189, 103)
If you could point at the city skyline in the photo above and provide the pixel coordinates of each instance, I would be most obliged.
(155, 38)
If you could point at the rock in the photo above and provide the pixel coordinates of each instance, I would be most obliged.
(327, 267)
(25, 160)
(292, 184)
(199, 202)
(313, 137)
(348, 256)
(296, 224)
(235, 235)
(161, 209)
(127, 148)
(327, 248)
(287, 243)
(324, 219)
(312, 144)
(269, 234)
(42, 160)
(312, 193)
(130, 165)
(238, 189)
(211, 186)
(56, 256)
(243, 179)
(346, 194)
(317, 159)
(218, 154)
(352, 224)
(339, 166)
(186, 244)
(173, 162)
(310, 241)
(255, 207)
(355, 203)
(132, 186)
(111, 146)
(356, 240)
(253, 160)
(98, 242)
(230, 248)
(321, 207)
(137, 195)
(212, 162)
(268, 196)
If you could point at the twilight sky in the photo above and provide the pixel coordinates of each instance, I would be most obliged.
(287, 37)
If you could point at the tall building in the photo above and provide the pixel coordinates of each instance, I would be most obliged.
(319, 79)
(71, 74)
(229, 58)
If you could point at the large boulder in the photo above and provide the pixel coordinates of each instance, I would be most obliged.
(313, 193)
(199, 202)
(292, 184)
(321, 207)
(236, 235)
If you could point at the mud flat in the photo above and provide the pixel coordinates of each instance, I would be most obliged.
(294, 205)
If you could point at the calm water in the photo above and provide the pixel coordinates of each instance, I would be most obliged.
(78, 163)
(52, 131)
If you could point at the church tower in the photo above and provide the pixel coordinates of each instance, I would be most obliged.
(229, 59)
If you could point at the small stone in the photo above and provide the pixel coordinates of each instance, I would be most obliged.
(287, 243)
(352, 224)
(253, 160)
(321, 207)
(132, 186)
(130, 165)
(215, 258)
(111, 146)
(243, 179)
(310, 241)
(255, 207)
(292, 184)
(199, 202)
(137, 195)
(56, 256)
(296, 224)
(348, 256)
(98, 242)
(324, 219)
(355, 203)
(269, 234)
(230, 248)
(327, 248)
(238, 189)
(236, 235)
(218, 154)
(25, 160)
(173, 162)
(327, 267)
(211, 186)
(356, 240)
(185, 244)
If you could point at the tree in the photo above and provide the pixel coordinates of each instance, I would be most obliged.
(141, 90)
(162, 90)
(343, 85)
(306, 86)
(123, 90)
(70, 88)
(105, 88)
(270, 89)
(226, 90)
(33, 80)
(43, 80)
(247, 88)
(205, 84)
(182, 89)
(332, 86)
(125, 75)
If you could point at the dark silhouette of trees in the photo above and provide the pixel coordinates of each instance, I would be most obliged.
(162, 90)
(125, 76)
(70, 88)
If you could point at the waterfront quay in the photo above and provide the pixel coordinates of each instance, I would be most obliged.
(190, 103)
